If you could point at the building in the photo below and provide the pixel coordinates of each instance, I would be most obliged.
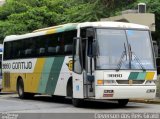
(138, 16)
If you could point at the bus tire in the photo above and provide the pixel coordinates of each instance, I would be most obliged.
(77, 102)
(20, 90)
(123, 102)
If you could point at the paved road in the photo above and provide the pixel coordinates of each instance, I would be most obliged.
(46, 104)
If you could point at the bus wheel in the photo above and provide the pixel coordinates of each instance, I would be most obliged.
(20, 89)
(77, 102)
(21, 93)
(123, 102)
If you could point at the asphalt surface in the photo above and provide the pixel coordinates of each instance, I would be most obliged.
(10, 103)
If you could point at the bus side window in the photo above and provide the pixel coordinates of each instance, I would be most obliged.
(52, 43)
(68, 49)
(52, 50)
(28, 52)
(8, 50)
(68, 41)
(41, 51)
(58, 49)
(40, 46)
(21, 53)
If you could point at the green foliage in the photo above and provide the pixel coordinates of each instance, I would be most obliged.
(22, 16)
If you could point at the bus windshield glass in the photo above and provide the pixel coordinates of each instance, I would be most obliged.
(115, 46)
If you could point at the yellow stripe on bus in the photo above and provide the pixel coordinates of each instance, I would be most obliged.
(33, 79)
(149, 75)
(51, 31)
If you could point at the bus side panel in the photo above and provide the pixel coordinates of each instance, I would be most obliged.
(13, 69)
(54, 75)
(49, 76)
(65, 74)
(32, 80)
(10, 83)
(45, 75)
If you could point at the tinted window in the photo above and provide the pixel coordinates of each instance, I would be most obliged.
(55, 44)
(68, 41)
(17, 50)
(7, 51)
(48, 45)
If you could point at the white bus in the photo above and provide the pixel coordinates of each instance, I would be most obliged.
(91, 60)
(1, 51)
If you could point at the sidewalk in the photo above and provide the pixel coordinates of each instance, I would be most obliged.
(154, 101)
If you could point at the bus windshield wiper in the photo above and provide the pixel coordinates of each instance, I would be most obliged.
(135, 58)
(124, 53)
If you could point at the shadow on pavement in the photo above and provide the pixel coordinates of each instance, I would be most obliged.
(6, 93)
(104, 105)
(86, 104)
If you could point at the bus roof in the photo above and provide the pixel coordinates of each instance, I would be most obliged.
(72, 26)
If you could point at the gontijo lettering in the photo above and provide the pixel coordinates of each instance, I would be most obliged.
(18, 65)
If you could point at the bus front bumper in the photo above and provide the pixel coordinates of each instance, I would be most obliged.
(125, 92)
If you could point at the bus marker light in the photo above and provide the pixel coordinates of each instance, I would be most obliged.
(100, 82)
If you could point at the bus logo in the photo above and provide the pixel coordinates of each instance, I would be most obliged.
(70, 64)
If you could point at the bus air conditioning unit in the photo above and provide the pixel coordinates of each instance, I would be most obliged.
(141, 8)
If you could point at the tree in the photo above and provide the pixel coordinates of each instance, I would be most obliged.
(23, 16)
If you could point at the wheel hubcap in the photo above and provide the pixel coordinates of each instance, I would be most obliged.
(20, 90)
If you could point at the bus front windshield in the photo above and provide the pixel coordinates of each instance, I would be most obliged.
(115, 46)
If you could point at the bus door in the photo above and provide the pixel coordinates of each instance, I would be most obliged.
(77, 75)
(83, 65)
(90, 67)
(87, 36)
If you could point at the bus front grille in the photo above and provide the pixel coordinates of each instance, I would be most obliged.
(127, 81)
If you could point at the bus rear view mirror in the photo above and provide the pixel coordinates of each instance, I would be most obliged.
(91, 52)
(155, 47)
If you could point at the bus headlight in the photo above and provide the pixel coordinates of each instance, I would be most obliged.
(150, 91)
(109, 82)
(106, 82)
